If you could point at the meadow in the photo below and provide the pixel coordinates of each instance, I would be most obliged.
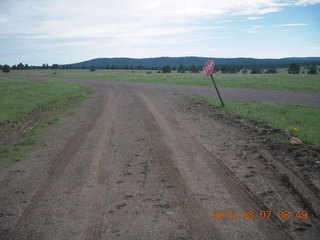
(280, 81)
(19, 98)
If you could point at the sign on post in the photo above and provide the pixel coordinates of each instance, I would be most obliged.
(207, 70)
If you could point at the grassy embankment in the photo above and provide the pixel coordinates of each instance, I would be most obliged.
(19, 98)
(303, 122)
(281, 81)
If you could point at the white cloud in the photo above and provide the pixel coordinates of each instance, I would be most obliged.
(118, 25)
(122, 22)
(253, 18)
(97, 18)
(307, 2)
(253, 28)
(290, 25)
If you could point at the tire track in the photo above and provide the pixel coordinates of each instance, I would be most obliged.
(134, 170)
(172, 130)
(101, 172)
(198, 220)
(68, 161)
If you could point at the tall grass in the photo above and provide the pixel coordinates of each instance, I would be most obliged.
(301, 121)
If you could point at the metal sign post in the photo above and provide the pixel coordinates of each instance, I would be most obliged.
(207, 70)
(214, 83)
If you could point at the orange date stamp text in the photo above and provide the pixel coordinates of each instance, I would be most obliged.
(267, 214)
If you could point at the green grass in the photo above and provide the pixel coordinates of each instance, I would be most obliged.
(303, 122)
(18, 98)
(281, 81)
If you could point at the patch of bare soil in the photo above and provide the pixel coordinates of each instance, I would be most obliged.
(138, 164)
(13, 131)
(293, 168)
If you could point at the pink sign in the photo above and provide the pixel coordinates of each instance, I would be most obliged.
(208, 67)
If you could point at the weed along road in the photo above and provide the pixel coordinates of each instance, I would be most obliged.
(131, 163)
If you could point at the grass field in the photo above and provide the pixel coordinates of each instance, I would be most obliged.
(281, 81)
(18, 98)
(303, 122)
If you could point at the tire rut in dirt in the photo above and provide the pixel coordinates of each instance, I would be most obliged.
(65, 183)
(139, 203)
(198, 220)
(179, 137)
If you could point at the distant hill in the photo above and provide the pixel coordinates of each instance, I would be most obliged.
(197, 61)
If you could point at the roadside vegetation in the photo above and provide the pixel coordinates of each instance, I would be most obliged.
(279, 81)
(300, 121)
(22, 100)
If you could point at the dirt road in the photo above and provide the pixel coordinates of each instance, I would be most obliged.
(243, 94)
(135, 164)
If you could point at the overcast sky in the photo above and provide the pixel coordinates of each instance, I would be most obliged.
(68, 31)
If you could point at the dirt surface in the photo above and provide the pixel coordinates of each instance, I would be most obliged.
(243, 94)
(145, 164)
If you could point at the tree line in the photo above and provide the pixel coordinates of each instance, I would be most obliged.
(293, 68)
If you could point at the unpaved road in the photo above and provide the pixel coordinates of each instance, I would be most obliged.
(138, 164)
(243, 94)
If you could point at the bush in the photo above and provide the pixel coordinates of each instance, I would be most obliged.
(6, 68)
(294, 68)
(312, 70)
(166, 69)
(92, 69)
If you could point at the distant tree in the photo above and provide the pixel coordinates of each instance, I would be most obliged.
(294, 68)
(256, 70)
(312, 70)
(194, 69)
(224, 69)
(6, 68)
(20, 66)
(174, 68)
(55, 66)
(14, 67)
(140, 67)
(46, 66)
(233, 70)
(92, 69)
(245, 71)
(271, 70)
(181, 69)
(26, 66)
(166, 69)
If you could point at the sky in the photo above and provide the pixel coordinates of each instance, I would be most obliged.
(68, 31)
